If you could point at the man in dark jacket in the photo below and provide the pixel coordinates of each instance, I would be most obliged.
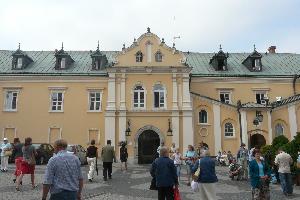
(164, 170)
(108, 156)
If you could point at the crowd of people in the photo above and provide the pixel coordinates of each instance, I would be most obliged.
(64, 180)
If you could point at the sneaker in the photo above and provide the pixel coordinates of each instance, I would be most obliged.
(90, 180)
(105, 179)
(109, 177)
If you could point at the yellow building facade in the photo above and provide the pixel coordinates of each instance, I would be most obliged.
(148, 93)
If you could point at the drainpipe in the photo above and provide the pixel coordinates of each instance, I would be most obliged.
(239, 106)
(294, 82)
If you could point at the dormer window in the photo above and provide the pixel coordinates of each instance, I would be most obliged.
(20, 59)
(158, 56)
(253, 61)
(139, 56)
(19, 63)
(219, 60)
(99, 60)
(63, 59)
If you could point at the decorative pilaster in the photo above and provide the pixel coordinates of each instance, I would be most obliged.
(122, 112)
(244, 128)
(270, 126)
(217, 128)
(175, 88)
(292, 120)
(186, 103)
(175, 128)
(110, 113)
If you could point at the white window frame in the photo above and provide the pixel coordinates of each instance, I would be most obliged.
(6, 103)
(156, 58)
(62, 101)
(165, 97)
(200, 118)
(233, 130)
(265, 94)
(224, 93)
(19, 63)
(276, 135)
(90, 101)
(63, 63)
(138, 103)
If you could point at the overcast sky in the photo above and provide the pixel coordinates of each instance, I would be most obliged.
(201, 25)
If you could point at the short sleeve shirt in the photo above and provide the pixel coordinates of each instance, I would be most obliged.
(5, 147)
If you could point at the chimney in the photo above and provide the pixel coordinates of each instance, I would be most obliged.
(272, 49)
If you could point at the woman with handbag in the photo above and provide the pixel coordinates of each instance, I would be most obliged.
(5, 153)
(28, 164)
(260, 178)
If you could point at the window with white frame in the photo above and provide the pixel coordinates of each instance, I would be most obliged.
(225, 97)
(95, 101)
(228, 130)
(159, 96)
(19, 63)
(63, 63)
(203, 117)
(260, 97)
(11, 98)
(57, 100)
(139, 97)
(139, 56)
(158, 56)
(278, 129)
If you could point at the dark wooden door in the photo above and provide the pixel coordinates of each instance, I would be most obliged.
(148, 144)
(257, 140)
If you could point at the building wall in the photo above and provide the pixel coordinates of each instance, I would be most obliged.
(33, 118)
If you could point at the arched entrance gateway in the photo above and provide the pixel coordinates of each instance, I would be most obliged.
(147, 141)
(257, 140)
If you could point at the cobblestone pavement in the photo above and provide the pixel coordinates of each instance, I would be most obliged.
(132, 185)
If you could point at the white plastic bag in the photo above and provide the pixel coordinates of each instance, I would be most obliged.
(195, 186)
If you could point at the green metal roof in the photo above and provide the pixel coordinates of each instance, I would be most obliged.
(44, 63)
(276, 64)
(273, 65)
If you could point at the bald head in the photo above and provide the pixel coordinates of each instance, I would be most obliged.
(164, 152)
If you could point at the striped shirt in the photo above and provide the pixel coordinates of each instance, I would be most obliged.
(63, 173)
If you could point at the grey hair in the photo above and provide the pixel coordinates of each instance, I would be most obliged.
(164, 151)
(61, 143)
(206, 153)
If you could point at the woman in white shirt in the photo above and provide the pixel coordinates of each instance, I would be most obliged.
(177, 157)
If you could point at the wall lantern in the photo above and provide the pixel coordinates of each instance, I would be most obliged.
(169, 132)
(128, 131)
(259, 116)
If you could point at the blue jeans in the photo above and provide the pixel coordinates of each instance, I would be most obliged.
(64, 195)
(286, 182)
(178, 168)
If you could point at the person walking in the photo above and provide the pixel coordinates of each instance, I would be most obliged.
(207, 176)
(5, 153)
(177, 157)
(163, 169)
(123, 156)
(242, 157)
(173, 148)
(27, 164)
(91, 157)
(284, 160)
(162, 144)
(190, 157)
(17, 154)
(260, 178)
(108, 156)
(63, 176)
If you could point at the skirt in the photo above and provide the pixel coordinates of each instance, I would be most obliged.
(207, 191)
(18, 163)
(26, 168)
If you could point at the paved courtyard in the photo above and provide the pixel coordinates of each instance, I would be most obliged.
(132, 185)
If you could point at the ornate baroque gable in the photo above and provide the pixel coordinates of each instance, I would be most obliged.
(148, 50)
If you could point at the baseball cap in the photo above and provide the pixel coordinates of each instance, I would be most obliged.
(5, 139)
